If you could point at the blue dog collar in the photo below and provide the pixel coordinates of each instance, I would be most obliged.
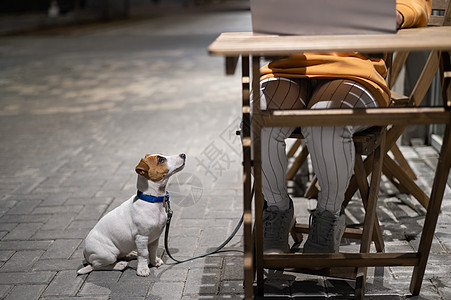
(153, 199)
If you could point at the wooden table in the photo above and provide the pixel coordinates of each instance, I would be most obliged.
(251, 48)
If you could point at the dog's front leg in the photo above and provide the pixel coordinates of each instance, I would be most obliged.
(154, 260)
(143, 255)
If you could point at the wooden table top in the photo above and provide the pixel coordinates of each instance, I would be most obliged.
(412, 39)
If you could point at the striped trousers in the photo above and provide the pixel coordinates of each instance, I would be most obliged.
(331, 148)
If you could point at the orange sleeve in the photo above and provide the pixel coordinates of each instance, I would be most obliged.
(415, 12)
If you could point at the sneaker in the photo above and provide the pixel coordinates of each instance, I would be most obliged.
(326, 230)
(276, 227)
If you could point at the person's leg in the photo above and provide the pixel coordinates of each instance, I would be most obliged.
(278, 93)
(332, 152)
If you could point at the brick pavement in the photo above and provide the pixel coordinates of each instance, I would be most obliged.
(80, 106)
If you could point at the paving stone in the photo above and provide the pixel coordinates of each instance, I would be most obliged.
(21, 261)
(166, 290)
(214, 236)
(85, 224)
(129, 275)
(25, 245)
(233, 268)
(201, 282)
(40, 277)
(78, 298)
(61, 249)
(7, 227)
(57, 209)
(438, 266)
(70, 190)
(24, 207)
(104, 277)
(187, 245)
(78, 254)
(116, 290)
(73, 233)
(232, 287)
(58, 264)
(23, 218)
(89, 201)
(213, 262)
(92, 212)
(5, 254)
(23, 231)
(26, 292)
(171, 273)
(3, 210)
(92, 289)
(29, 186)
(4, 290)
(7, 202)
(385, 296)
(443, 285)
(54, 199)
(59, 221)
(436, 247)
(65, 283)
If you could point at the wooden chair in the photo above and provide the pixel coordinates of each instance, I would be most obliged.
(371, 143)
(397, 170)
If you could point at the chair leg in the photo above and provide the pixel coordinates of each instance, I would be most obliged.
(401, 160)
(360, 283)
(391, 167)
(353, 186)
(299, 161)
(395, 174)
(297, 236)
(370, 215)
(294, 148)
(364, 192)
(395, 181)
(312, 190)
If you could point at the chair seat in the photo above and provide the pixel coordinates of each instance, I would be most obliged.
(365, 141)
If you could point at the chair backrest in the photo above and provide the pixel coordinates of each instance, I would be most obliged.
(441, 13)
(440, 16)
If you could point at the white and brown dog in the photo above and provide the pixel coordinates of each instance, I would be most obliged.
(135, 225)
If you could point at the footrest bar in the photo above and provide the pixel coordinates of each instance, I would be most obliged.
(274, 261)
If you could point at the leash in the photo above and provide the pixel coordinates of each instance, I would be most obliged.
(217, 250)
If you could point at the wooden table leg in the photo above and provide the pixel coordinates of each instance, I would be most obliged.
(247, 197)
(438, 189)
(256, 144)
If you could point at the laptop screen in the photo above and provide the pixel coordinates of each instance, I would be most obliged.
(318, 17)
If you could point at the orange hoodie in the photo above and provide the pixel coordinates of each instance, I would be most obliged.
(370, 72)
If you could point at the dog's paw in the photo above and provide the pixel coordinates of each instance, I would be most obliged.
(120, 265)
(157, 263)
(132, 255)
(143, 270)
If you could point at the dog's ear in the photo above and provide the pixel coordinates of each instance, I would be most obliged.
(142, 169)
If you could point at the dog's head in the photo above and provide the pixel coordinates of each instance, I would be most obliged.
(156, 167)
